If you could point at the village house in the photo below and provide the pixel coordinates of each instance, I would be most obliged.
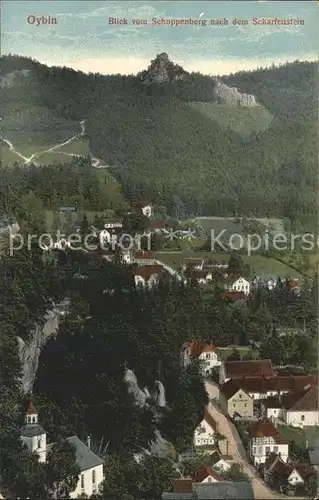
(234, 401)
(143, 257)
(277, 472)
(220, 463)
(264, 438)
(203, 351)
(185, 489)
(237, 284)
(193, 263)
(260, 388)
(293, 286)
(300, 408)
(147, 276)
(240, 369)
(158, 226)
(206, 475)
(202, 277)
(144, 207)
(205, 432)
(90, 465)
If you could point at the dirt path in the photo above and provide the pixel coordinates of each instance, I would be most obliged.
(49, 150)
(236, 448)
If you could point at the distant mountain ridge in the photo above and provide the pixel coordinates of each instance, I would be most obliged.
(177, 141)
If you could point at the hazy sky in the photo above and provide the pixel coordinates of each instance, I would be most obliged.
(83, 38)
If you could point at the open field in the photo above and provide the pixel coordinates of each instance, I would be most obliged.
(79, 146)
(258, 263)
(294, 434)
(242, 120)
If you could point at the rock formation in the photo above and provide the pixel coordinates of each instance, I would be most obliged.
(10, 79)
(161, 70)
(30, 351)
(232, 97)
(159, 447)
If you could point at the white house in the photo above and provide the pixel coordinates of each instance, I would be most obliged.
(90, 465)
(147, 276)
(294, 474)
(237, 285)
(300, 409)
(264, 438)
(202, 277)
(205, 433)
(206, 353)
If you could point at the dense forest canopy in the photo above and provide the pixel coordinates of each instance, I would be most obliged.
(161, 148)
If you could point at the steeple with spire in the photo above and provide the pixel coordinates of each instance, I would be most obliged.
(32, 434)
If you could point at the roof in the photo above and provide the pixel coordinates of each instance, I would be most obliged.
(231, 387)
(267, 429)
(32, 430)
(143, 255)
(183, 485)
(304, 471)
(272, 402)
(209, 420)
(197, 347)
(270, 460)
(275, 383)
(305, 400)
(147, 271)
(158, 224)
(203, 472)
(226, 489)
(31, 409)
(85, 458)
(253, 368)
(233, 296)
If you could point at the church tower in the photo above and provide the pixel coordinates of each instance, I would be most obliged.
(32, 434)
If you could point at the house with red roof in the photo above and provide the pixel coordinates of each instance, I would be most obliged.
(265, 438)
(277, 472)
(240, 369)
(206, 475)
(205, 352)
(147, 276)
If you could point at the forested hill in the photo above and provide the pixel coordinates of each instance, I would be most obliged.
(173, 143)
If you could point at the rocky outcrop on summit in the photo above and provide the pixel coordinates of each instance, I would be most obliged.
(161, 70)
(232, 96)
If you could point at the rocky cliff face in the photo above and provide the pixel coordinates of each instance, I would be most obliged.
(161, 70)
(30, 351)
(232, 97)
(10, 79)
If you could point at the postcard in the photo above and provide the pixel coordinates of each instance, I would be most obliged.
(159, 249)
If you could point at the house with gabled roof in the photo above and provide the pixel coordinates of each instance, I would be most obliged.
(277, 472)
(33, 437)
(300, 408)
(265, 438)
(234, 283)
(235, 401)
(147, 276)
(206, 431)
(240, 369)
(204, 351)
(206, 474)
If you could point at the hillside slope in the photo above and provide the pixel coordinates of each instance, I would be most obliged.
(162, 146)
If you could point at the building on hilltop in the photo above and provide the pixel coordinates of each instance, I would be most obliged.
(90, 465)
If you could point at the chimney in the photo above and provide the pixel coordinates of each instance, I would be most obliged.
(89, 442)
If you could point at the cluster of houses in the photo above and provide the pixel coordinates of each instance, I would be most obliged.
(267, 401)
(236, 287)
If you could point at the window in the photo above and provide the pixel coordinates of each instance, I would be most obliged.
(39, 443)
(267, 449)
(275, 449)
(209, 480)
(93, 476)
(245, 405)
(240, 396)
(33, 420)
(302, 417)
(29, 420)
(82, 481)
(234, 405)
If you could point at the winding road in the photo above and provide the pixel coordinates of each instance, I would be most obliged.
(96, 162)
